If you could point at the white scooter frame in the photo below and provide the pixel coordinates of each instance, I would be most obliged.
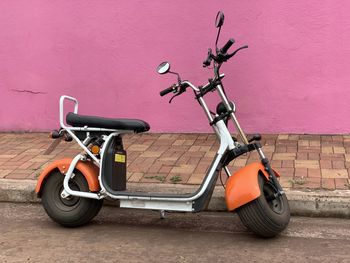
(148, 201)
(253, 191)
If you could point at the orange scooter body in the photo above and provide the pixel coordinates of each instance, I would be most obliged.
(243, 186)
(88, 169)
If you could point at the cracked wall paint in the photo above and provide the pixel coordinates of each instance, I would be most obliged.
(29, 91)
(294, 78)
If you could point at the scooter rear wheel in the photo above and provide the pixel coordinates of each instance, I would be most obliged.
(266, 216)
(72, 211)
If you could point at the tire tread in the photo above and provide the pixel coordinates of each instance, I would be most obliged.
(255, 217)
(88, 209)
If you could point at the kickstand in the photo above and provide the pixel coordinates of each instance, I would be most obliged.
(162, 214)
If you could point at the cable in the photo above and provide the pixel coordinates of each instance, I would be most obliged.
(221, 180)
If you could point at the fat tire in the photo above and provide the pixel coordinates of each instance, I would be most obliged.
(82, 212)
(260, 218)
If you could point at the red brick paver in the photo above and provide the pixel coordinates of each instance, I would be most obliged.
(304, 161)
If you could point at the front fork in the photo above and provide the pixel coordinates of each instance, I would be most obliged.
(234, 153)
(264, 160)
(270, 171)
(245, 148)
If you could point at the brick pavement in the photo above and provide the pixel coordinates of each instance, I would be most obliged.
(304, 161)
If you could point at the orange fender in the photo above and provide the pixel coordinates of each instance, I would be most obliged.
(243, 187)
(88, 169)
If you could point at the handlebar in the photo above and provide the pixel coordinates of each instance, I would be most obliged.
(221, 54)
(181, 88)
(168, 90)
(226, 47)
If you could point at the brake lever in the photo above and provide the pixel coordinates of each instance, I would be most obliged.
(182, 89)
(234, 53)
(173, 97)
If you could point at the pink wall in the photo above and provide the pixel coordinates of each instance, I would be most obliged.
(294, 77)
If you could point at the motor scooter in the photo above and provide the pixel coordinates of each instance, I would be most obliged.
(72, 190)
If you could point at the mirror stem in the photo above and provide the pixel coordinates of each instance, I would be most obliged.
(217, 39)
(177, 74)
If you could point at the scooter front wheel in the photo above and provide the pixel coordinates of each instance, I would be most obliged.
(267, 215)
(72, 211)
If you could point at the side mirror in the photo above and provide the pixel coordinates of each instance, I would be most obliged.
(163, 68)
(219, 21)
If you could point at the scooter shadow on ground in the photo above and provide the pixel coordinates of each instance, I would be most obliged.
(222, 222)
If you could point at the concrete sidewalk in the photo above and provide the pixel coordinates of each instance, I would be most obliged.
(310, 165)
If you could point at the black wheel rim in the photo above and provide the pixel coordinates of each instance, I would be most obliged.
(273, 199)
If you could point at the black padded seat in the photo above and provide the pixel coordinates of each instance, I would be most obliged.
(107, 123)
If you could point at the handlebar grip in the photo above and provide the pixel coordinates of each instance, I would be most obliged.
(229, 43)
(166, 91)
(206, 62)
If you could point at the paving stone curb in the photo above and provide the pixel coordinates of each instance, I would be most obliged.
(304, 203)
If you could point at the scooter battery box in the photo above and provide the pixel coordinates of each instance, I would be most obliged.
(115, 169)
(119, 171)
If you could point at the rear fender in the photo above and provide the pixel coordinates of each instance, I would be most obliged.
(243, 186)
(88, 169)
